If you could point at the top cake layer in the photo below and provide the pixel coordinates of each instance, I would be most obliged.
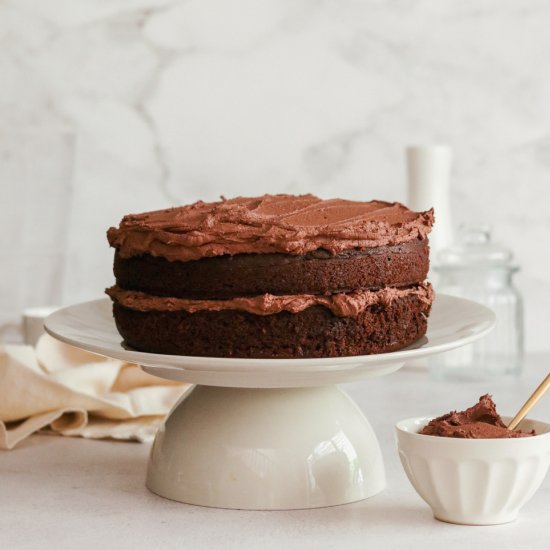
(269, 224)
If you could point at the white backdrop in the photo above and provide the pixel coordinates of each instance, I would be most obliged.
(178, 100)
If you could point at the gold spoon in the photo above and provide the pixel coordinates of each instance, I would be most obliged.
(530, 403)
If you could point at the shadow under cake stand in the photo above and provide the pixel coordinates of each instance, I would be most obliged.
(267, 434)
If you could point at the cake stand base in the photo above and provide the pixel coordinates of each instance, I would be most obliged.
(266, 449)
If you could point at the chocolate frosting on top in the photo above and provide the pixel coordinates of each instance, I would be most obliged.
(269, 224)
(478, 422)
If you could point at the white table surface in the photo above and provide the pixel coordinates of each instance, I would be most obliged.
(58, 492)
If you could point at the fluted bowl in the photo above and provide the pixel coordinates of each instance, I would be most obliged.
(474, 481)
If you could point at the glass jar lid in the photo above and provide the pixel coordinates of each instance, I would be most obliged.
(473, 248)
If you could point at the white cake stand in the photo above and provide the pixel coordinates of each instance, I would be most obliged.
(267, 434)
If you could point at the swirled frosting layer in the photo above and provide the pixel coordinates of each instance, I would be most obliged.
(269, 224)
(342, 305)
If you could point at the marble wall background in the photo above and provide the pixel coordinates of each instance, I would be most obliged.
(172, 101)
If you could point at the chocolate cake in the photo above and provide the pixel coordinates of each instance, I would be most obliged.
(272, 276)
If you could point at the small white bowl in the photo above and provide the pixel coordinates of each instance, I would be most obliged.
(474, 481)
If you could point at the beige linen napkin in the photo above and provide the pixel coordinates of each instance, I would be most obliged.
(73, 392)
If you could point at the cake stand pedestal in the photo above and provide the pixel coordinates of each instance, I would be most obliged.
(266, 449)
(267, 434)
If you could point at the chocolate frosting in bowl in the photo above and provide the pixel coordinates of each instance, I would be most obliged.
(342, 305)
(269, 224)
(478, 422)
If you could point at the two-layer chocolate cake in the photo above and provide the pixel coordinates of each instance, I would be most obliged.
(273, 276)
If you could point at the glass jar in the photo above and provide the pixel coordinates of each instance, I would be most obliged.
(482, 271)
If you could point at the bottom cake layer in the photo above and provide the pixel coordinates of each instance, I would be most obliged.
(313, 332)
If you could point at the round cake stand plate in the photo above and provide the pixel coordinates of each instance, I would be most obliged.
(267, 434)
